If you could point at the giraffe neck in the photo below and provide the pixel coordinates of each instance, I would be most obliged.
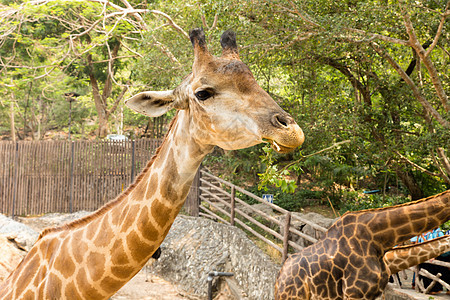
(391, 226)
(95, 256)
(404, 257)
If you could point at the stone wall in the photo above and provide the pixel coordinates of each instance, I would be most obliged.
(22, 235)
(196, 246)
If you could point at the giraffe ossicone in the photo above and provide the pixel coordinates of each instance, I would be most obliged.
(219, 104)
(354, 258)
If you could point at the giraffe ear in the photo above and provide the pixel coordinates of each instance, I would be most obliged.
(153, 104)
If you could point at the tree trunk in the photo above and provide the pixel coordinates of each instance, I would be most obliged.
(445, 164)
(100, 99)
(100, 103)
(410, 183)
(103, 129)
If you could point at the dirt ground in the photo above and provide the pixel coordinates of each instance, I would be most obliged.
(148, 286)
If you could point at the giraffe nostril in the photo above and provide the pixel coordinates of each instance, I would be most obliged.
(280, 121)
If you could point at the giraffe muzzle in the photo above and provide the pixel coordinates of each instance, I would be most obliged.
(286, 138)
(287, 135)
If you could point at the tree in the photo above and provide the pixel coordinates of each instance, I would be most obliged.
(402, 113)
(368, 72)
(95, 39)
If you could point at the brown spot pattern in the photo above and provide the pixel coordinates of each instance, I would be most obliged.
(118, 254)
(105, 234)
(139, 249)
(53, 287)
(144, 226)
(71, 291)
(65, 265)
(122, 272)
(28, 273)
(88, 291)
(98, 260)
(78, 249)
(110, 285)
(160, 212)
(168, 191)
(152, 187)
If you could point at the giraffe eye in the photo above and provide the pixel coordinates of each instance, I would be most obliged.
(203, 95)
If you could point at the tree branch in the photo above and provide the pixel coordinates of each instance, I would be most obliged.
(107, 88)
(118, 99)
(315, 153)
(379, 37)
(416, 165)
(303, 16)
(171, 22)
(372, 36)
(445, 163)
(426, 61)
(430, 109)
(439, 30)
(346, 72)
(166, 51)
(98, 99)
(205, 25)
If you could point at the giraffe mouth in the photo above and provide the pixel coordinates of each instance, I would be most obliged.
(278, 147)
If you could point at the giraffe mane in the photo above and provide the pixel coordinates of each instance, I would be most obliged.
(111, 204)
(396, 206)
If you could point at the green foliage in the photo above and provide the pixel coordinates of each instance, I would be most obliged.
(272, 176)
(356, 202)
(446, 226)
(315, 58)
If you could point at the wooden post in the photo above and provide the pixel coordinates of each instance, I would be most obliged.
(192, 201)
(15, 181)
(287, 225)
(233, 204)
(133, 160)
(72, 156)
(418, 283)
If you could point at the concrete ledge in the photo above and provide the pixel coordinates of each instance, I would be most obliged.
(393, 292)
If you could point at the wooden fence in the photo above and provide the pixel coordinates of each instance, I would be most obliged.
(420, 270)
(215, 198)
(218, 199)
(61, 176)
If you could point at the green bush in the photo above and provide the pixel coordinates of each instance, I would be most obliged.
(291, 202)
(354, 202)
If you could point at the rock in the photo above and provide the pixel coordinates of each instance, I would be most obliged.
(10, 257)
(195, 246)
(23, 235)
(52, 219)
(308, 229)
(259, 206)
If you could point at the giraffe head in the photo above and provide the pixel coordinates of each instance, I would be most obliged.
(225, 104)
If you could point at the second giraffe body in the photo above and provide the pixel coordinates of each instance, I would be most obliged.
(348, 261)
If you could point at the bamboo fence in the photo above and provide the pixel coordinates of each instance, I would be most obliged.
(38, 177)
